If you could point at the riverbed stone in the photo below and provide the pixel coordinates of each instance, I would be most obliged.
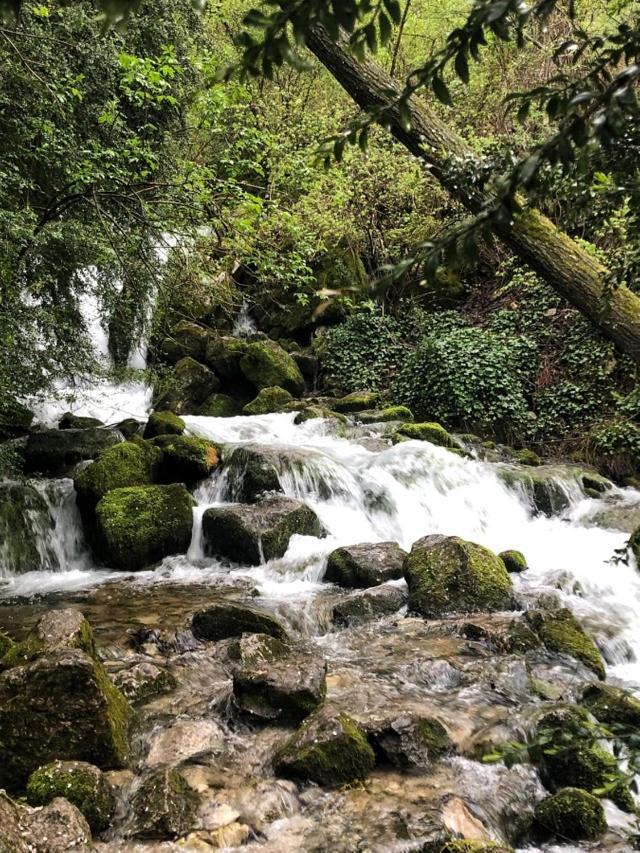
(55, 631)
(251, 534)
(389, 414)
(329, 749)
(357, 401)
(164, 423)
(266, 364)
(125, 464)
(370, 604)
(433, 432)
(56, 828)
(514, 561)
(184, 741)
(164, 806)
(255, 468)
(141, 525)
(447, 574)
(190, 384)
(541, 485)
(83, 784)
(186, 459)
(186, 339)
(54, 452)
(561, 632)
(268, 400)
(408, 740)
(571, 814)
(60, 706)
(144, 680)
(223, 619)
(612, 706)
(219, 406)
(224, 354)
(366, 565)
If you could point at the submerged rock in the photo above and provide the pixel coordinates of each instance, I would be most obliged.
(81, 783)
(268, 400)
(225, 618)
(186, 459)
(514, 561)
(164, 806)
(571, 814)
(126, 464)
(251, 534)
(408, 740)
(188, 387)
(446, 574)
(184, 741)
(361, 566)
(163, 423)
(561, 632)
(141, 525)
(370, 604)
(329, 749)
(266, 364)
(55, 452)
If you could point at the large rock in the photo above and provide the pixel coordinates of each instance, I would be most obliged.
(268, 400)
(446, 574)
(144, 680)
(55, 828)
(544, 488)
(60, 706)
(83, 784)
(54, 452)
(255, 469)
(24, 521)
(126, 464)
(329, 749)
(251, 534)
(224, 354)
(408, 740)
(276, 683)
(561, 633)
(55, 631)
(571, 814)
(141, 525)
(186, 339)
(164, 806)
(434, 433)
(357, 401)
(266, 364)
(186, 459)
(382, 416)
(163, 423)
(71, 421)
(190, 384)
(613, 706)
(224, 619)
(219, 406)
(368, 605)
(361, 566)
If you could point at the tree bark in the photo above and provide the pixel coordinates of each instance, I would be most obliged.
(569, 269)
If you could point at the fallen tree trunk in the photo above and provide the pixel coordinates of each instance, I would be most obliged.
(572, 272)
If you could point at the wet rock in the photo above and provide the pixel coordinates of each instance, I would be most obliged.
(329, 749)
(465, 845)
(307, 363)
(129, 427)
(55, 631)
(612, 706)
(186, 339)
(543, 487)
(56, 828)
(163, 423)
(226, 837)
(514, 561)
(188, 387)
(634, 545)
(357, 401)
(184, 740)
(528, 457)
(268, 400)
(224, 619)
(144, 680)
(186, 459)
(361, 566)
(275, 683)
(141, 525)
(571, 814)
(408, 740)
(266, 364)
(54, 452)
(382, 416)
(61, 706)
(621, 516)
(595, 484)
(80, 783)
(561, 632)
(255, 469)
(309, 413)
(165, 806)
(220, 406)
(447, 574)
(126, 464)
(71, 421)
(251, 534)
(434, 433)
(365, 606)
(24, 516)
(15, 418)
(223, 354)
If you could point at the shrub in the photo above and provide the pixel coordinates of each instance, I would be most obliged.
(617, 444)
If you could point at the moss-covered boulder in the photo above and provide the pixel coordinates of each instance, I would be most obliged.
(370, 604)
(15, 418)
(186, 339)
(357, 401)
(129, 427)
(571, 814)
(446, 574)
(382, 416)
(60, 706)
(225, 618)
(310, 413)
(126, 464)
(71, 421)
(55, 631)
(164, 423)
(268, 400)
(329, 749)
(164, 806)
(266, 364)
(528, 457)
(543, 487)
(361, 566)
(434, 433)
(514, 561)
(409, 740)
(308, 364)
(54, 452)
(186, 459)
(25, 519)
(81, 783)
(561, 632)
(613, 706)
(251, 534)
(219, 406)
(144, 680)
(140, 525)
(224, 354)
(190, 384)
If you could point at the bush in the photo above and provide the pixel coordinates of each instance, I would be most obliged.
(617, 445)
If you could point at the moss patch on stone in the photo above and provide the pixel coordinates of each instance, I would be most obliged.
(165, 806)
(573, 814)
(528, 457)
(164, 423)
(514, 561)
(434, 433)
(390, 413)
(357, 401)
(82, 784)
(186, 459)
(613, 706)
(126, 464)
(220, 406)
(268, 400)
(561, 632)
(266, 364)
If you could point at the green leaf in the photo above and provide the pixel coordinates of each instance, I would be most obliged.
(441, 91)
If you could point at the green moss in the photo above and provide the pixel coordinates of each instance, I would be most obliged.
(448, 574)
(186, 459)
(390, 413)
(36, 643)
(223, 354)
(310, 413)
(464, 846)
(528, 457)
(165, 805)
(268, 400)
(434, 433)
(576, 765)
(514, 561)
(126, 464)
(80, 783)
(358, 401)
(432, 737)
(561, 632)
(140, 525)
(220, 406)
(20, 653)
(572, 814)
(164, 423)
(267, 365)
(613, 706)
(6, 644)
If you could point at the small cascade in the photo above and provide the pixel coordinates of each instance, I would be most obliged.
(244, 324)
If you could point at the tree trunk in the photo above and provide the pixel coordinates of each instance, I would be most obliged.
(572, 272)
